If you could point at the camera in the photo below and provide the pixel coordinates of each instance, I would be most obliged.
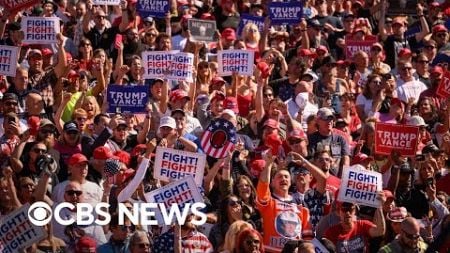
(45, 163)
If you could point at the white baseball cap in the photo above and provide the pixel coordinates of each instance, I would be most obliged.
(167, 121)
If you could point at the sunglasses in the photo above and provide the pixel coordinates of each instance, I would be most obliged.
(268, 95)
(347, 209)
(74, 192)
(295, 141)
(411, 236)
(234, 203)
(11, 103)
(39, 151)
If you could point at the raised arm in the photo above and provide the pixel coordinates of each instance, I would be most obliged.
(208, 183)
(61, 65)
(163, 104)
(142, 135)
(264, 36)
(381, 22)
(125, 19)
(316, 172)
(259, 104)
(378, 219)
(59, 123)
(425, 29)
(12, 192)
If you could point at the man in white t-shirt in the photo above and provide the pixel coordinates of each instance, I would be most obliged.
(78, 170)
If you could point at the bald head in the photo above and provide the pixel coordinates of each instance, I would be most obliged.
(410, 224)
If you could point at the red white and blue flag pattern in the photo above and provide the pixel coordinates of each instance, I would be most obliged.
(219, 138)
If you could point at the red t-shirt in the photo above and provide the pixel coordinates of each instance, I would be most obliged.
(354, 241)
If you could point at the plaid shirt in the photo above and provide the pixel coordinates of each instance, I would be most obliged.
(44, 82)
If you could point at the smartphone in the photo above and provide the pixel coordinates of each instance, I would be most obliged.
(429, 181)
(11, 120)
(118, 40)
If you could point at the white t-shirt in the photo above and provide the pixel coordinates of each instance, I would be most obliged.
(367, 103)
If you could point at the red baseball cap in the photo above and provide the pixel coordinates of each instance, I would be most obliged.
(404, 52)
(396, 101)
(77, 158)
(138, 149)
(306, 53)
(218, 80)
(102, 153)
(85, 244)
(73, 75)
(360, 158)
(437, 70)
(272, 124)
(297, 133)
(229, 34)
(439, 28)
(323, 49)
(388, 194)
(232, 104)
(46, 52)
(178, 95)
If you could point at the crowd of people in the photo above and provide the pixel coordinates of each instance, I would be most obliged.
(300, 123)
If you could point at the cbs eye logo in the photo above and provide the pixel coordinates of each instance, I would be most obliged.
(40, 213)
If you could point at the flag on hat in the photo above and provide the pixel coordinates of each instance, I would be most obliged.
(112, 167)
(219, 138)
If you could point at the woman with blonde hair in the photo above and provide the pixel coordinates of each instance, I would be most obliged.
(251, 37)
(232, 233)
(204, 77)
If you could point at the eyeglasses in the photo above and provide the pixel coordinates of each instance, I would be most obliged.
(81, 119)
(268, 95)
(74, 192)
(11, 103)
(39, 151)
(410, 236)
(251, 242)
(27, 185)
(234, 203)
(142, 245)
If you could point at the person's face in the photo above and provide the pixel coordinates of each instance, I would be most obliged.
(303, 179)
(180, 119)
(409, 237)
(267, 130)
(299, 146)
(165, 44)
(10, 106)
(36, 62)
(388, 205)
(73, 194)
(398, 29)
(244, 189)
(267, 96)
(348, 24)
(85, 47)
(375, 52)
(422, 64)
(47, 133)
(425, 107)
(324, 162)
(234, 208)
(347, 214)
(375, 85)
(21, 79)
(79, 170)
(282, 181)
(404, 179)
(71, 137)
(81, 121)
(80, 9)
(157, 89)
(426, 172)
(141, 245)
(217, 107)
(133, 35)
(289, 228)
(37, 150)
(120, 133)
(252, 244)
(406, 71)
(48, 8)
(101, 57)
(325, 124)
(441, 38)
(396, 226)
(136, 67)
(430, 49)
(294, 65)
(121, 232)
(27, 188)
(362, 60)
(165, 131)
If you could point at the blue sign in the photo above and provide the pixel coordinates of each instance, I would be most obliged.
(127, 98)
(285, 12)
(154, 8)
(411, 32)
(245, 19)
(447, 24)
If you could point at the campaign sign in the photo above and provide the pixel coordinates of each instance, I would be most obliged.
(202, 30)
(443, 89)
(240, 61)
(352, 45)
(246, 18)
(318, 246)
(156, 63)
(172, 165)
(154, 8)
(402, 138)
(14, 6)
(106, 2)
(17, 232)
(360, 186)
(8, 60)
(285, 12)
(127, 98)
(40, 30)
(411, 32)
(179, 192)
(181, 67)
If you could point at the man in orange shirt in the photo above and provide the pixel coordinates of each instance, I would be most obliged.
(283, 219)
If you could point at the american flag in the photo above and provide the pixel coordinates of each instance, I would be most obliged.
(219, 138)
